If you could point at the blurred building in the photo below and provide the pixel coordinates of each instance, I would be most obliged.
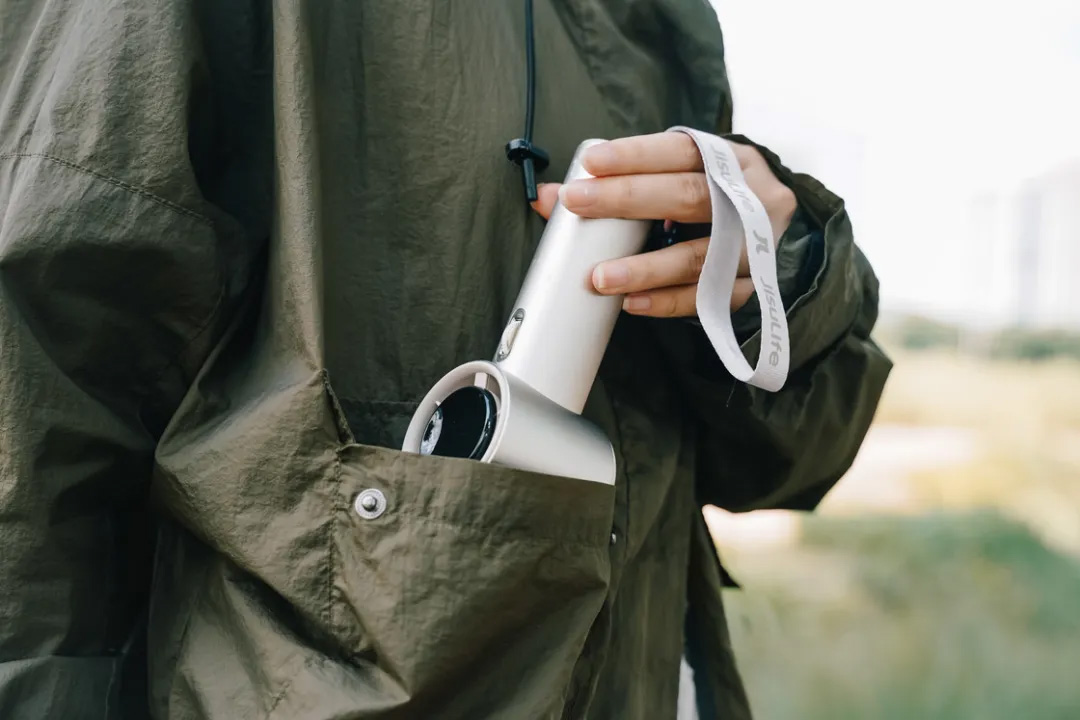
(1053, 202)
(1026, 253)
(991, 276)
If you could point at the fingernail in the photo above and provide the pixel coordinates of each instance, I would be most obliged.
(612, 275)
(577, 194)
(636, 303)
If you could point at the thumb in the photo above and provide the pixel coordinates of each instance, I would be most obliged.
(547, 196)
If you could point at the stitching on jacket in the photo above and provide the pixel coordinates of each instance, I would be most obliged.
(620, 438)
(470, 533)
(134, 189)
(588, 52)
(276, 700)
(382, 403)
(219, 301)
(336, 506)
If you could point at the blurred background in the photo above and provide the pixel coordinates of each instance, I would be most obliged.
(941, 577)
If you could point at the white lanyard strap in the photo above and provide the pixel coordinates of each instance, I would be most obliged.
(737, 213)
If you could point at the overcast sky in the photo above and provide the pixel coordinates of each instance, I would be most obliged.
(909, 110)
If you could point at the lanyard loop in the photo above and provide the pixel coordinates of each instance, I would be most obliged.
(737, 214)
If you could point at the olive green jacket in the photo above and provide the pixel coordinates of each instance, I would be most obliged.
(238, 243)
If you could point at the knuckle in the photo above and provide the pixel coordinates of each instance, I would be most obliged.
(695, 257)
(789, 201)
(753, 156)
(688, 150)
(627, 193)
(642, 272)
(694, 192)
(782, 198)
(671, 305)
(782, 193)
(778, 195)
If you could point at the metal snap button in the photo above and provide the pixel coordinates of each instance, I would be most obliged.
(370, 504)
(614, 538)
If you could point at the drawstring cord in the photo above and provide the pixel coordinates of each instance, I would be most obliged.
(521, 151)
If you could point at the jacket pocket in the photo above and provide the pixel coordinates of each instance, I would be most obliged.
(313, 577)
(468, 587)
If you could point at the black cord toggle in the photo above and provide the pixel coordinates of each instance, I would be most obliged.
(532, 159)
(521, 151)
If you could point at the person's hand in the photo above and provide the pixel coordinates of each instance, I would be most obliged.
(660, 177)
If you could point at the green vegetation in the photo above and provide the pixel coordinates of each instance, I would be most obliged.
(964, 602)
(939, 617)
(914, 333)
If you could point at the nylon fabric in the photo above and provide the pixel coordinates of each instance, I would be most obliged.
(238, 243)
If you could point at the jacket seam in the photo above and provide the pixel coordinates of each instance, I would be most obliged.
(588, 52)
(617, 426)
(530, 539)
(197, 599)
(280, 695)
(338, 506)
(134, 189)
(201, 330)
(203, 326)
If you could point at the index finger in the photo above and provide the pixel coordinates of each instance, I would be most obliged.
(664, 152)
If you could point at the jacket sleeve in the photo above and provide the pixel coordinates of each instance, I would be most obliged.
(117, 274)
(758, 449)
